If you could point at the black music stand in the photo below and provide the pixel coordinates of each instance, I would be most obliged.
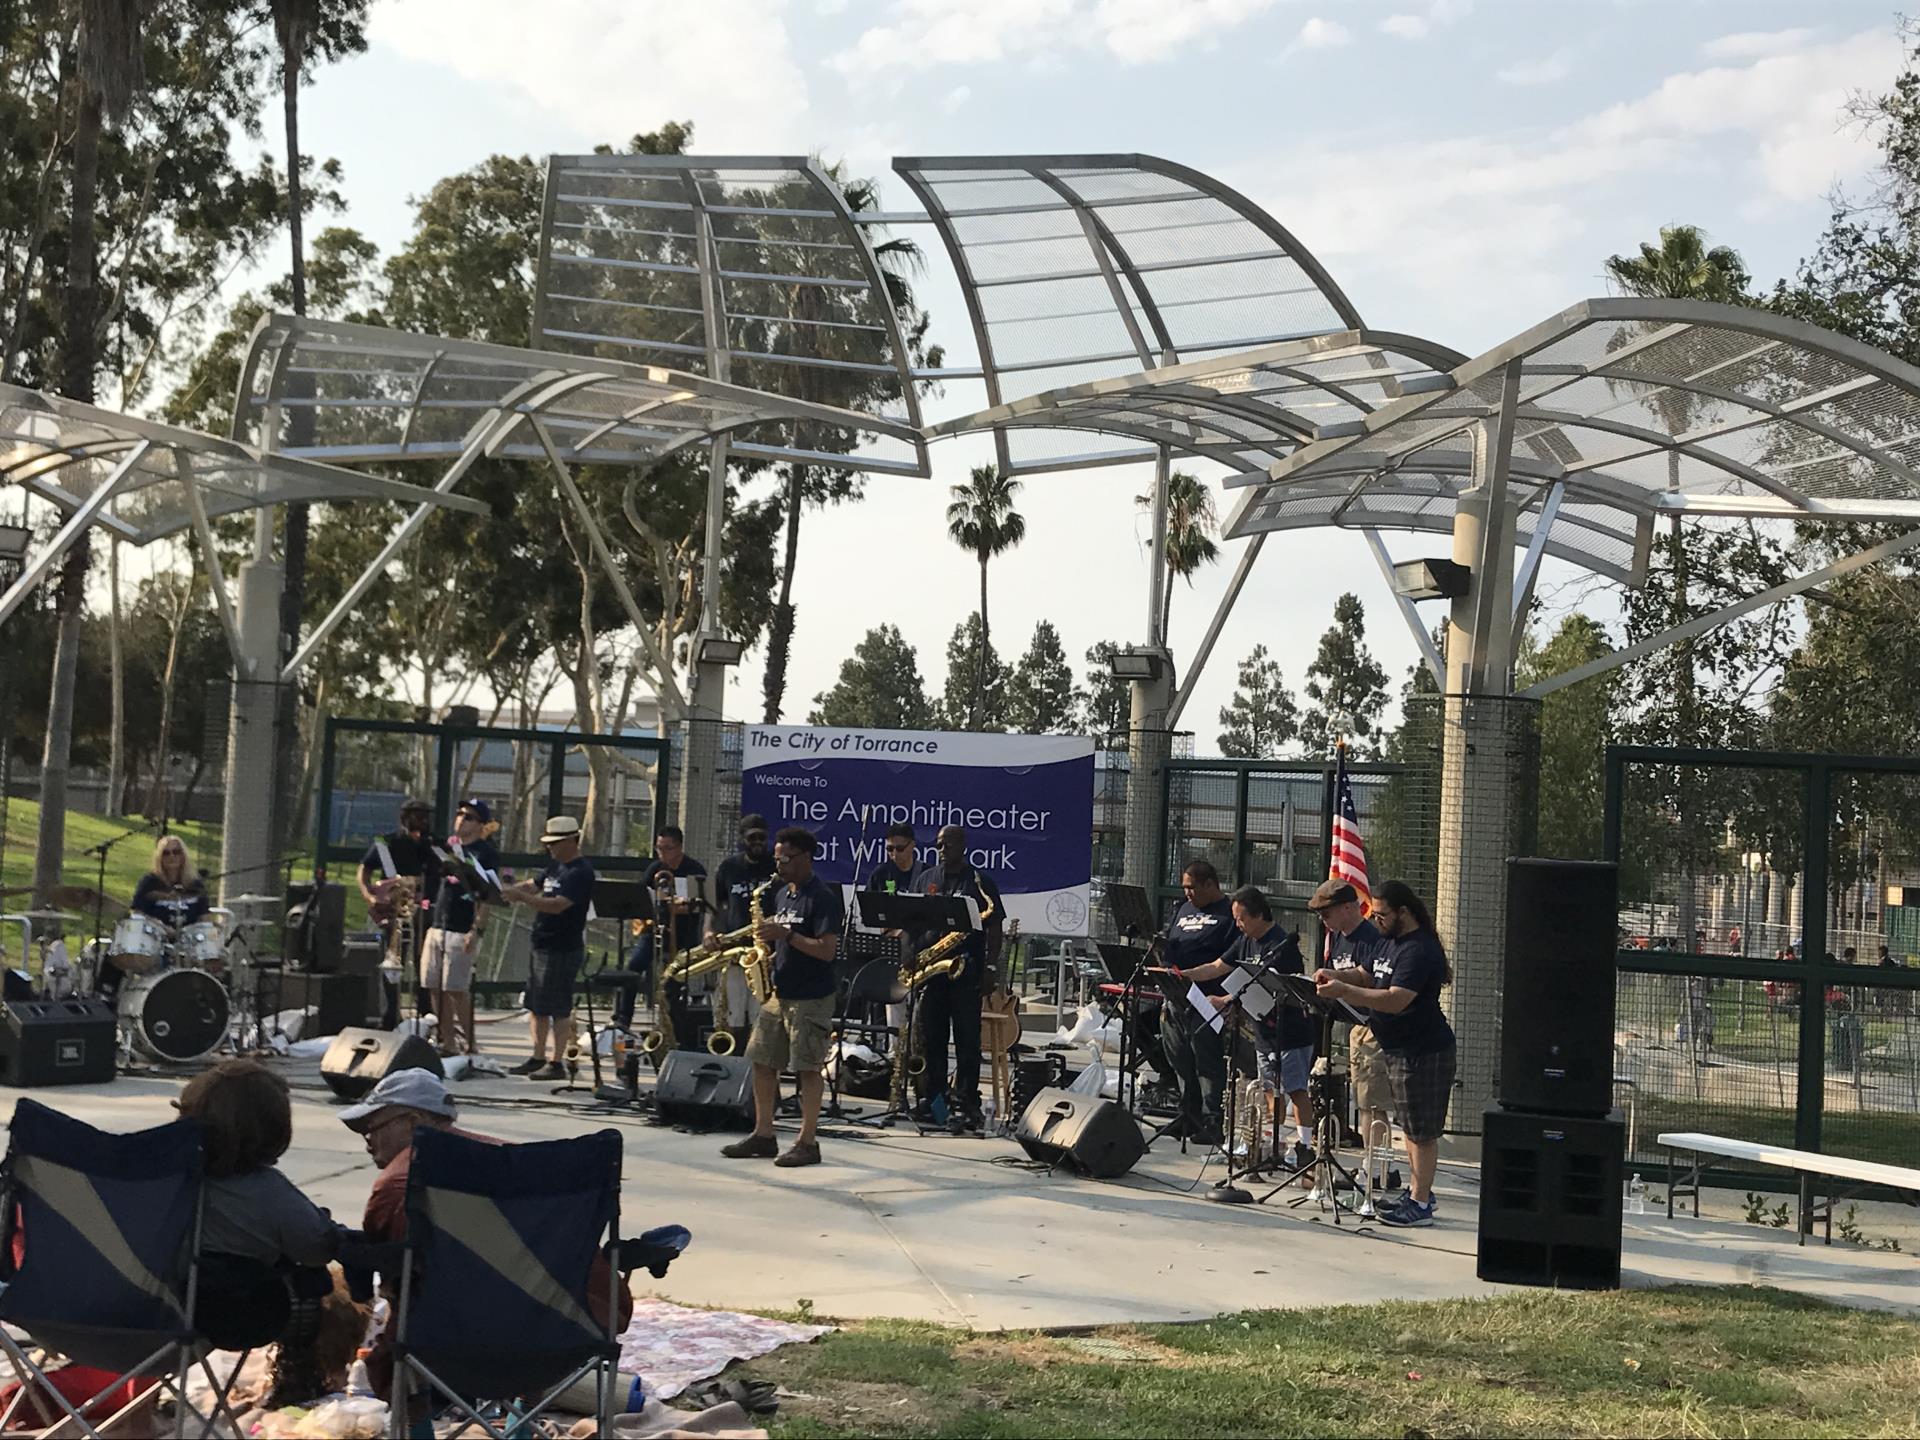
(1328, 1173)
(929, 915)
(621, 900)
(867, 975)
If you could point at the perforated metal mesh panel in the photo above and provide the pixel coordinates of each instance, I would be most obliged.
(1084, 268)
(1640, 409)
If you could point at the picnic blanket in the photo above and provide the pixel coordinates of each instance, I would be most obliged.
(671, 1346)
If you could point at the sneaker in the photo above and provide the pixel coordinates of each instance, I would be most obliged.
(753, 1147)
(1299, 1157)
(553, 1070)
(923, 1113)
(527, 1066)
(800, 1152)
(1408, 1212)
(1393, 1181)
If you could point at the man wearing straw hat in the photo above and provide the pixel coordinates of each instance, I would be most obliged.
(561, 897)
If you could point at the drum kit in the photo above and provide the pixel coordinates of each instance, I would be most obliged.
(173, 1007)
(172, 1002)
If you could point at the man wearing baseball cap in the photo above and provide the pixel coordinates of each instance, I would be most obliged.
(560, 896)
(1352, 940)
(386, 1120)
(459, 920)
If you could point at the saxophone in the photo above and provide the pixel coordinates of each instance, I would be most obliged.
(756, 965)
(401, 897)
(718, 952)
(946, 957)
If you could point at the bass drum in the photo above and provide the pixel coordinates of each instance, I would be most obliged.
(177, 1015)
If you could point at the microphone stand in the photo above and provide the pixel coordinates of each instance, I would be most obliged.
(100, 879)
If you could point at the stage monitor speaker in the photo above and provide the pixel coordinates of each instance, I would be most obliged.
(713, 1092)
(316, 924)
(359, 1059)
(1550, 1199)
(1096, 1137)
(58, 1042)
(1557, 1012)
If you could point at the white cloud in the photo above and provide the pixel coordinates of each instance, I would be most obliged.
(1547, 71)
(1756, 44)
(1526, 204)
(956, 97)
(609, 69)
(1409, 26)
(1319, 34)
(923, 34)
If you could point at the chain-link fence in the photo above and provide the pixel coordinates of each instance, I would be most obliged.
(1769, 985)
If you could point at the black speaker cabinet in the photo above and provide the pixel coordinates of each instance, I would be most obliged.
(316, 924)
(1557, 1015)
(709, 1091)
(1094, 1136)
(1550, 1199)
(58, 1042)
(336, 1002)
(358, 1060)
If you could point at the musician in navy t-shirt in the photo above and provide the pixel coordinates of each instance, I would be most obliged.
(1201, 931)
(1402, 990)
(562, 896)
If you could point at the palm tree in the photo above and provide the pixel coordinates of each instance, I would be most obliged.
(1191, 521)
(1681, 267)
(981, 518)
(103, 73)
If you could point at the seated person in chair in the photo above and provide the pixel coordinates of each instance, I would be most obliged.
(401, 1103)
(264, 1246)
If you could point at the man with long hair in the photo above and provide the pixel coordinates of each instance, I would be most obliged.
(1402, 990)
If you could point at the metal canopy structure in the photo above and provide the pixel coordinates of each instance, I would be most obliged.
(1621, 412)
(1244, 411)
(144, 481)
(1080, 268)
(353, 393)
(749, 269)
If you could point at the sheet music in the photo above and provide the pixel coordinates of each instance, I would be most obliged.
(1198, 998)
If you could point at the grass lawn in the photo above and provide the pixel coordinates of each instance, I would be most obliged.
(1681, 1362)
(126, 862)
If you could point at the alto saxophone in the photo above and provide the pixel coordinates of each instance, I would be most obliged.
(756, 965)
(946, 957)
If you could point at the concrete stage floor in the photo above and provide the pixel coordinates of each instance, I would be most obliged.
(952, 1230)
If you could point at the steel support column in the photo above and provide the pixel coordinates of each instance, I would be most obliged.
(1488, 760)
(247, 844)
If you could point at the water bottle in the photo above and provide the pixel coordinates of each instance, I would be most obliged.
(358, 1381)
(1637, 1196)
(990, 1120)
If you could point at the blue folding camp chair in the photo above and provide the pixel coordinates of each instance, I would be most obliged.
(494, 1315)
(99, 1240)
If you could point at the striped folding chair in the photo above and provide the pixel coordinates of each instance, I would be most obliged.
(100, 1266)
(495, 1318)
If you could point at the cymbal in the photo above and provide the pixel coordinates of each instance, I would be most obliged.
(255, 900)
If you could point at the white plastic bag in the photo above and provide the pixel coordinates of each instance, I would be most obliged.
(1093, 1079)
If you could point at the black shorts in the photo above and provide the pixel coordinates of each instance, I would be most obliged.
(550, 977)
(1422, 1089)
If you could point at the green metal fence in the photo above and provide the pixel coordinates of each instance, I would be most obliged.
(1757, 892)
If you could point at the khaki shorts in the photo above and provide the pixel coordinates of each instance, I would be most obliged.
(1367, 1071)
(446, 961)
(792, 1034)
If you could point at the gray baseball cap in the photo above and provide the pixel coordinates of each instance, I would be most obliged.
(410, 1089)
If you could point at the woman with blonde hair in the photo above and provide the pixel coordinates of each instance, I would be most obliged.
(172, 891)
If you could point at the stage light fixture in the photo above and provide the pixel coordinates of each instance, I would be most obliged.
(1134, 664)
(1431, 579)
(718, 650)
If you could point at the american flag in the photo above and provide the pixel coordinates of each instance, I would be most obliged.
(1349, 852)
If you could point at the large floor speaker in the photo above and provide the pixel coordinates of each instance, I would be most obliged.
(713, 1092)
(1557, 1017)
(358, 1060)
(338, 1002)
(1550, 1200)
(1094, 1136)
(57, 1042)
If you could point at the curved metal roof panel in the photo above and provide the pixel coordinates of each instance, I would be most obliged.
(66, 453)
(1636, 409)
(1083, 268)
(345, 392)
(749, 269)
(1243, 411)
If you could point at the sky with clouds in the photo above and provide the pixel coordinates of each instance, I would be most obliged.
(1461, 167)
